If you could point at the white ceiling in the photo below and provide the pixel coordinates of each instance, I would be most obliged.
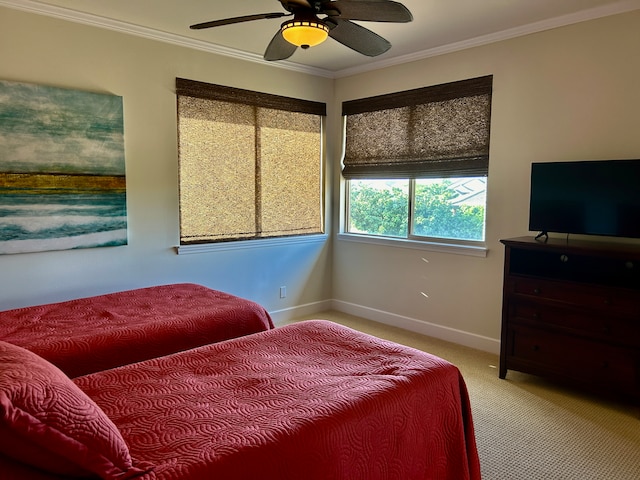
(439, 26)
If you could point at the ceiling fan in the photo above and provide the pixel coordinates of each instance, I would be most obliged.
(307, 29)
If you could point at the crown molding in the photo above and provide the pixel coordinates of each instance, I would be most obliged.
(30, 6)
(622, 6)
(152, 34)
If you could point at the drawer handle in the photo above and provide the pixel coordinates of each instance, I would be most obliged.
(536, 291)
(536, 315)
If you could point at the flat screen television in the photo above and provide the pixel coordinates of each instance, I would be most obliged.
(599, 197)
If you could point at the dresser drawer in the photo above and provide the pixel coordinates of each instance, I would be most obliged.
(577, 321)
(578, 358)
(604, 299)
(561, 262)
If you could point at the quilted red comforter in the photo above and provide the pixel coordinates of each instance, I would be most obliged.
(96, 333)
(312, 400)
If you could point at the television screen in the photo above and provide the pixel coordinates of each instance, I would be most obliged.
(587, 197)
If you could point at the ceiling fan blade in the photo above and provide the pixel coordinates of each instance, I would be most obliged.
(279, 48)
(230, 21)
(367, 10)
(357, 38)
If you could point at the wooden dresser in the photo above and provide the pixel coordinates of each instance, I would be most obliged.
(571, 311)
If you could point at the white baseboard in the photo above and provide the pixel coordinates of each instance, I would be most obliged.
(441, 332)
(286, 314)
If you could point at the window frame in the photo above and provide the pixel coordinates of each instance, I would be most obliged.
(382, 168)
(476, 248)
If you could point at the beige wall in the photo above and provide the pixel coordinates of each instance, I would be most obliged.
(569, 93)
(566, 94)
(39, 49)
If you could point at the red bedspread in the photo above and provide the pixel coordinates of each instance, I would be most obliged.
(93, 334)
(312, 400)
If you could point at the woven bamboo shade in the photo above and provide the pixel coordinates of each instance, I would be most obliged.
(432, 132)
(250, 164)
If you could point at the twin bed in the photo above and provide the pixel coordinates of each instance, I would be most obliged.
(311, 400)
(97, 333)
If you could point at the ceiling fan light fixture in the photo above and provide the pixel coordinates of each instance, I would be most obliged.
(305, 33)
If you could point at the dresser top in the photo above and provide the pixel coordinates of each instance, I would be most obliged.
(592, 247)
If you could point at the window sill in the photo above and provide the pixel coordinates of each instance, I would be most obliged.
(244, 244)
(457, 249)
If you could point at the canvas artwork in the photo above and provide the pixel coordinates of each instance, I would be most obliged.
(62, 169)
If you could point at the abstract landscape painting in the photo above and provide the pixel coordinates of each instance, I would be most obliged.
(62, 169)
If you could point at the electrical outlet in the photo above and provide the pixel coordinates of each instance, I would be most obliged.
(283, 292)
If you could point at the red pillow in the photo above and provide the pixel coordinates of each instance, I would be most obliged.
(47, 422)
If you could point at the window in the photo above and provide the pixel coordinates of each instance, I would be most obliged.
(416, 162)
(250, 164)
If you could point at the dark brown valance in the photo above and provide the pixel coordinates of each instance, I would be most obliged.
(438, 131)
(192, 88)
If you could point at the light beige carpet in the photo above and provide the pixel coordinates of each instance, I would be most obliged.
(528, 428)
